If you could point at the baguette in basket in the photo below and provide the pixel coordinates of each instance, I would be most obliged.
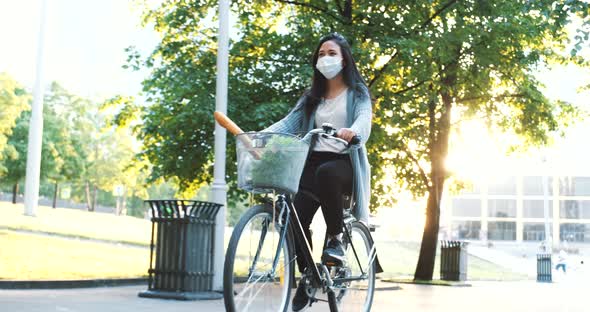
(231, 126)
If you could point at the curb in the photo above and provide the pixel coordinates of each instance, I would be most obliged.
(429, 283)
(177, 295)
(65, 284)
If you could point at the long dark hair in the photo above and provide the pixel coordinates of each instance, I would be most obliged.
(350, 74)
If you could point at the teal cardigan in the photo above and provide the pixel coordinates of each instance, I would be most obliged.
(359, 115)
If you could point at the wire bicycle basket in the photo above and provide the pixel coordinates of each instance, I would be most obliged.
(270, 161)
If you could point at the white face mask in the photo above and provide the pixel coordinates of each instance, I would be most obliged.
(329, 66)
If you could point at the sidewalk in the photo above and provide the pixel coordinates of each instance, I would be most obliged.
(481, 297)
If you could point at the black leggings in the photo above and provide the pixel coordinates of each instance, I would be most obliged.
(328, 176)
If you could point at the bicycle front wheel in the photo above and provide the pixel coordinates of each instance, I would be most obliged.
(357, 295)
(259, 266)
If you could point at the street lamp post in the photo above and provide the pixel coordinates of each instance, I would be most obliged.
(36, 126)
(545, 181)
(219, 187)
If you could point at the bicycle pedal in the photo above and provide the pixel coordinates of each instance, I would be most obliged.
(332, 264)
(335, 263)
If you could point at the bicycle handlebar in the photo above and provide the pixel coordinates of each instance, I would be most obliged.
(328, 131)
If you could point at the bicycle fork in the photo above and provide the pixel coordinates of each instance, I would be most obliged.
(282, 237)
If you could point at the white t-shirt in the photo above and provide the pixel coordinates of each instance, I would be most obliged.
(331, 111)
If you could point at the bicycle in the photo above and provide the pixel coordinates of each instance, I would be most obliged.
(259, 268)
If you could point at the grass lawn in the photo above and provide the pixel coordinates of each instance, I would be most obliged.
(34, 256)
(43, 257)
(30, 256)
(73, 222)
(399, 259)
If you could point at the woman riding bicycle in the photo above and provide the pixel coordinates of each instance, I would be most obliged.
(338, 96)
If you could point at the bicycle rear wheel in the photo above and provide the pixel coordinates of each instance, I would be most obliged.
(249, 281)
(357, 295)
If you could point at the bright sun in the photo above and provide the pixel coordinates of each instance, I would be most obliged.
(476, 154)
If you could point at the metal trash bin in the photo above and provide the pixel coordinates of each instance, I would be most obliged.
(544, 268)
(181, 250)
(453, 261)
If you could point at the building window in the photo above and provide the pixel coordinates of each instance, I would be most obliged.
(534, 208)
(534, 186)
(574, 209)
(503, 186)
(573, 232)
(502, 230)
(465, 207)
(466, 229)
(533, 232)
(502, 208)
(574, 186)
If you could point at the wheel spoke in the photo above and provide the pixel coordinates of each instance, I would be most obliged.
(253, 281)
(357, 295)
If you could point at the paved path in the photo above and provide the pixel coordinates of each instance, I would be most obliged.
(481, 297)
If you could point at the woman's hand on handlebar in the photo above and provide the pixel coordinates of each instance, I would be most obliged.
(346, 134)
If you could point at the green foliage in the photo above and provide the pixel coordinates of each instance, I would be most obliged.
(60, 157)
(13, 101)
(79, 147)
(422, 60)
(15, 166)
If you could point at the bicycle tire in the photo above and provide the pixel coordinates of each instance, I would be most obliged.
(358, 296)
(261, 296)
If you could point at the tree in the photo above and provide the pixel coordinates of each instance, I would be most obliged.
(60, 156)
(474, 59)
(13, 101)
(427, 63)
(16, 164)
(63, 147)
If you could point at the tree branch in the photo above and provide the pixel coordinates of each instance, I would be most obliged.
(382, 70)
(431, 127)
(494, 98)
(437, 13)
(347, 11)
(423, 174)
(410, 87)
(339, 5)
(270, 60)
(311, 6)
(422, 26)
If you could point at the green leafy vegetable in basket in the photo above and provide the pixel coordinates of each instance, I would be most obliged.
(281, 164)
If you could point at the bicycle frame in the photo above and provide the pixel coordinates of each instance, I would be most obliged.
(299, 236)
(292, 220)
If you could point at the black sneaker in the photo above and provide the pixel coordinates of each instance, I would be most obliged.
(334, 253)
(301, 299)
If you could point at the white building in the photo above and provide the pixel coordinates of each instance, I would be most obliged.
(507, 202)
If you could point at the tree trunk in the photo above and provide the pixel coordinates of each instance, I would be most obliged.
(14, 192)
(94, 197)
(118, 206)
(425, 266)
(88, 199)
(124, 203)
(55, 194)
(439, 146)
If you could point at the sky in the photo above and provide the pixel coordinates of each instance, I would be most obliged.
(84, 44)
(84, 51)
